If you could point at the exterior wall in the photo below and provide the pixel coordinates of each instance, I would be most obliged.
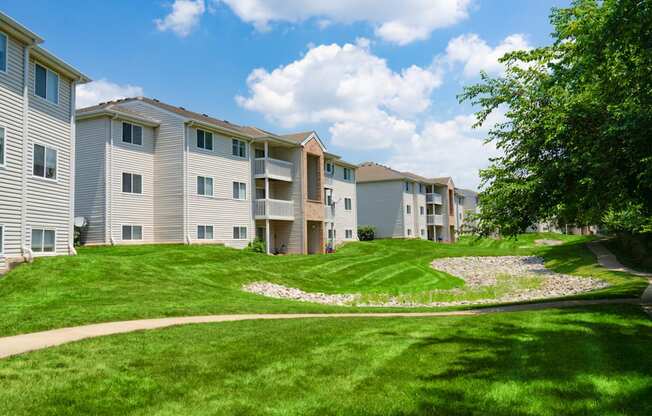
(343, 219)
(90, 177)
(380, 205)
(11, 119)
(296, 228)
(48, 201)
(168, 173)
(408, 219)
(421, 223)
(221, 210)
(128, 208)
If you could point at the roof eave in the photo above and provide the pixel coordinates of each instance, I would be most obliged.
(19, 31)
(107, 112)
(60, 65)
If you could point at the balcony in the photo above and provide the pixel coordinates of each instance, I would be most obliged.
(433, 199)
(273, 169)
(329, 213)
(435, 219)
(274, 209)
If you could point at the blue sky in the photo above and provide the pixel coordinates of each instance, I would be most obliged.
(375, 80)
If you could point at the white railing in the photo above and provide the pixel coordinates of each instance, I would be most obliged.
(329, 212)
(274, 209)
(274, 168)
(433, 199)
(435, 219)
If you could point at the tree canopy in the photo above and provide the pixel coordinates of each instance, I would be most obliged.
(576, 143)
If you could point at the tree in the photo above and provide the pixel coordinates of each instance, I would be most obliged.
(577, 141)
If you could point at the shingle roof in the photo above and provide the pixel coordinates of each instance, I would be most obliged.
(298, 137)
(374, 172)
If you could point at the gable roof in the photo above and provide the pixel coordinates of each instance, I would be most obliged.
(375, 172)
(111, 110)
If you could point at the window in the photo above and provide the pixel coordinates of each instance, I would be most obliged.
(239, 190)
(239, 233)
(329, 168)
(259, 153)
(4, 48)
(408, 209)
(331, 234)
(409, 231)
(260, 193)
(2, 146)
(2, 239)
(407, 186)
(348, 234)
(421, 188)
(348, 174)
(204, 140)
(43, 241)
(44, 162)
(204, 232)
(204, 186)
(132, 183)
(132, 134)
(329, 198)
(46, 84)
(239, 148)
(132, 232)
(423, 232)
(347, 204)
(422, 210)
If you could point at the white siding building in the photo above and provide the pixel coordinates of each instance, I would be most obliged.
(37, 101)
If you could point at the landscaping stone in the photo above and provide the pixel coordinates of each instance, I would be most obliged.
(477, 272)
(546, 242)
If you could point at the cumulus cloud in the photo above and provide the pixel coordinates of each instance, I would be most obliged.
(410, 21)
(103, 90)
(475, 55)
(183, 18)
(346, 86)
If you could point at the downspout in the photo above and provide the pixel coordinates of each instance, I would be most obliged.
(186, 225)
(26, 250)
(109, 202)
(73, 170)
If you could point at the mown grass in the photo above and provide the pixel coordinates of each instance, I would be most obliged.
(581, 361)
(130, 282)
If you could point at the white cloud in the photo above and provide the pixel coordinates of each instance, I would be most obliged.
(348, 87)
(102, 90)
(184, 17)
(410, 21)
(448, 148)
(475, 55)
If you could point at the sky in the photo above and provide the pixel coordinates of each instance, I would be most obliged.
(376, 79)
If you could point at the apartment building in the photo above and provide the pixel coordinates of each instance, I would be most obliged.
(151, 172)
(405, 205)
(467, 204)
(37, 101)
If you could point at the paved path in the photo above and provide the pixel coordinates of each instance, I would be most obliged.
(20, 344)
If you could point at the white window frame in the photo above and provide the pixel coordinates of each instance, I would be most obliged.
(423, 232)
(43, 229)
(212, 149)
(240, 142)
(2, 240)
(46, 84)
(422, 210)
(212, 186)
(122, 232)
(331, 171)
(348, 234)
(142, 183)
(240, 228)
(3, 162)
(45, 162)
(408, 209)
(409, 232)
(242, 196)
(350, 208)
(350, 174)
(142, 134)
(206, 226)
(6, 63)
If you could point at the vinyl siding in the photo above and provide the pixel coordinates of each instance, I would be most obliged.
(129, 208)
(11, 119)
(90, 177)
(380, 204)
(344, 220)
(420, 220)
(296, 228)
(221, 210)
(48, 202)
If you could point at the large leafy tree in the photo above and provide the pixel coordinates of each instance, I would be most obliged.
(577, 141)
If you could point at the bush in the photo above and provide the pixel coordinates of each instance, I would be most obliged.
(366, 233)
(257, 246)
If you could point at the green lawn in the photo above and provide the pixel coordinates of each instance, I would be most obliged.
(129, 282)
(581, 361)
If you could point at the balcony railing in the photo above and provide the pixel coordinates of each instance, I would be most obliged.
(433, 199)
(329, 213)
(274, 209)
(273, 168)
(435, 219)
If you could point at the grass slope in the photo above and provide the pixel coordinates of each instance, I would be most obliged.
(573, 362)
(129, 282)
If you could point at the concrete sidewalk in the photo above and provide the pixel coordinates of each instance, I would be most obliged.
(20, 344)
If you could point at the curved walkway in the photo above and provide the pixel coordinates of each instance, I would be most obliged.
(20, 344)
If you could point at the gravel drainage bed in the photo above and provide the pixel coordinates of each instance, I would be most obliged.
(477, 272)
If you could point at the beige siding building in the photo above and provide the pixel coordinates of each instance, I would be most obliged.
(405, 205)
(169, 175)
(37, 100)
